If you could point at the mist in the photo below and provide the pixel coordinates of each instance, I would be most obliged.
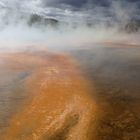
(67, 24)
(69, 69)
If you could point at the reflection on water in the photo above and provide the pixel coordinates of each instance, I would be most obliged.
(60, 107)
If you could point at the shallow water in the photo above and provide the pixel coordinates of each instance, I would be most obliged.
(99, 84)
(115, 72)
(58, 105)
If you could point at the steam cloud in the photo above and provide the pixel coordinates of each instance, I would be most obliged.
(62, 22)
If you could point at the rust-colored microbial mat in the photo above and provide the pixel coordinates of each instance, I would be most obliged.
(59, 107)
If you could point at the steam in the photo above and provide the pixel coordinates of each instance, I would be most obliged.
(74, 24)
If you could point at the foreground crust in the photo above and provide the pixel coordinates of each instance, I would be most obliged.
(61, 107)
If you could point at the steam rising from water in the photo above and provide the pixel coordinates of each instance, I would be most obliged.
(76, 23)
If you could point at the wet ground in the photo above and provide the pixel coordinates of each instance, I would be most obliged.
(110, 74)
(56, 103)
(115, 72)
